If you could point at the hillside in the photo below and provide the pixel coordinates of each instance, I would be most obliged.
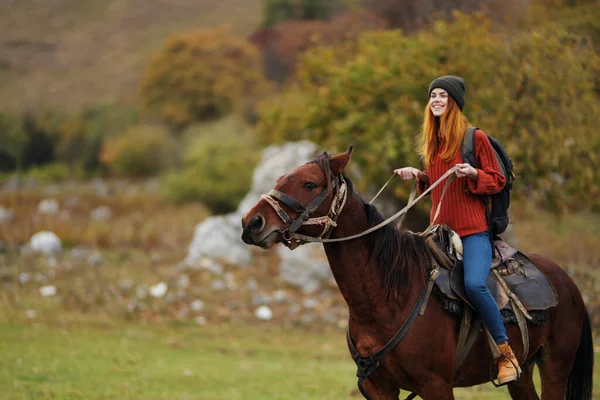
(64, 52)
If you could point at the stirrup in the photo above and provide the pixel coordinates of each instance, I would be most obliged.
(492, 374)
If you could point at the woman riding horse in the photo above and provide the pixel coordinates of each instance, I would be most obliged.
(444, 128)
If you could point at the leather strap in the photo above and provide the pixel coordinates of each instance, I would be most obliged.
(368, 364)
(469, 330)
(287, 200)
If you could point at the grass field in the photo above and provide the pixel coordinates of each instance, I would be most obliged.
(92, 360)
(85, 343)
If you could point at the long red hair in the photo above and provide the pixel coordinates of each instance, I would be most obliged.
(452, 125)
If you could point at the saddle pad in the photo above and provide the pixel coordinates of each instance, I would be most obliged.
(524, 279)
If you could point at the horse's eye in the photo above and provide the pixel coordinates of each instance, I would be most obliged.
(310, 185)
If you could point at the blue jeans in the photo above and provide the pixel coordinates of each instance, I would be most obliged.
(477, 259)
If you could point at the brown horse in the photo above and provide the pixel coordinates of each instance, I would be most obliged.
(381, 276)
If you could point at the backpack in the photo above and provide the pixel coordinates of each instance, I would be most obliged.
(497, 214)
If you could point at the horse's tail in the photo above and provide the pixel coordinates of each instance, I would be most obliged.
(579, 386)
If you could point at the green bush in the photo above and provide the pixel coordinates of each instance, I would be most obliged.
(77, 138)
(217, 168)
(50, 173)
(141, 151)
(531, 90)
(201, 76)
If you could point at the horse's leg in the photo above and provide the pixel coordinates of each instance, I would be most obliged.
(568, 342)
(524, 389)
(379, 393)
(554, 373)
(437, 389)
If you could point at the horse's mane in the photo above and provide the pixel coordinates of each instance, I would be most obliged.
(391, 248)
(394, 249)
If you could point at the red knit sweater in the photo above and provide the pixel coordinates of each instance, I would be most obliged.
(462, 208)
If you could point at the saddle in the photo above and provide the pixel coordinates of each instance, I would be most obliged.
(519, 274)
(522, 291)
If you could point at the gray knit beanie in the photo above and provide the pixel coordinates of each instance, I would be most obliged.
(454, 85)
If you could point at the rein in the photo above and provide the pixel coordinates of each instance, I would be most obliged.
(337, 205)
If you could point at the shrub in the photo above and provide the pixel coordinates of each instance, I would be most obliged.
(14, 142)
(49, 173)
(200, 76)
(141, 151)
(217, 168)
(76, 138)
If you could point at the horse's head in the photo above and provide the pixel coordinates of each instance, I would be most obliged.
(306, 200)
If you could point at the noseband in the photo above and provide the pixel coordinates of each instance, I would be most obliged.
(327, 221)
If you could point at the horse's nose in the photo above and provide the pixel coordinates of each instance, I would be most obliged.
(256, 224)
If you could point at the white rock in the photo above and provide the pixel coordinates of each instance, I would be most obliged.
(77, 253)
(72, 202)
(183, 281)
(65, 215)
(48, 291)
(159, 290)
(276, 161)
(24, 277)
(95, 259)
(126, 284)
(197, 305)
(263, 313)
(211, 266)
(200, 320)
(219, 237)
(131, 306)
(310, 303)
(141, 291)
(101, 213)
(46, 243)
(230, 281)
(305, 267)
(252, 285)
(218, 285)
(48, 206)
(280, 296)
(30, 314)
(6, 214)
(100, 187)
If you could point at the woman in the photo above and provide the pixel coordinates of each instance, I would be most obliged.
(444, 127)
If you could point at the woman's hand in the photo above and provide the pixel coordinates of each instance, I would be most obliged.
(466, 170)
(408, 173)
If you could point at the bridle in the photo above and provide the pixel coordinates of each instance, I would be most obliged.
(328, 221)
(338, 185)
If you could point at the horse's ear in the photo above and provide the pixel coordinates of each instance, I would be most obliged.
(339, 162)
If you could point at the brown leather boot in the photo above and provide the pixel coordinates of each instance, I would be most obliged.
(506, 370)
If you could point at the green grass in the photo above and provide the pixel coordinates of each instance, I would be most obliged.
(74, 360)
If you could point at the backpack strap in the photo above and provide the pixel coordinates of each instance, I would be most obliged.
(468, 156)
(468, 149)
